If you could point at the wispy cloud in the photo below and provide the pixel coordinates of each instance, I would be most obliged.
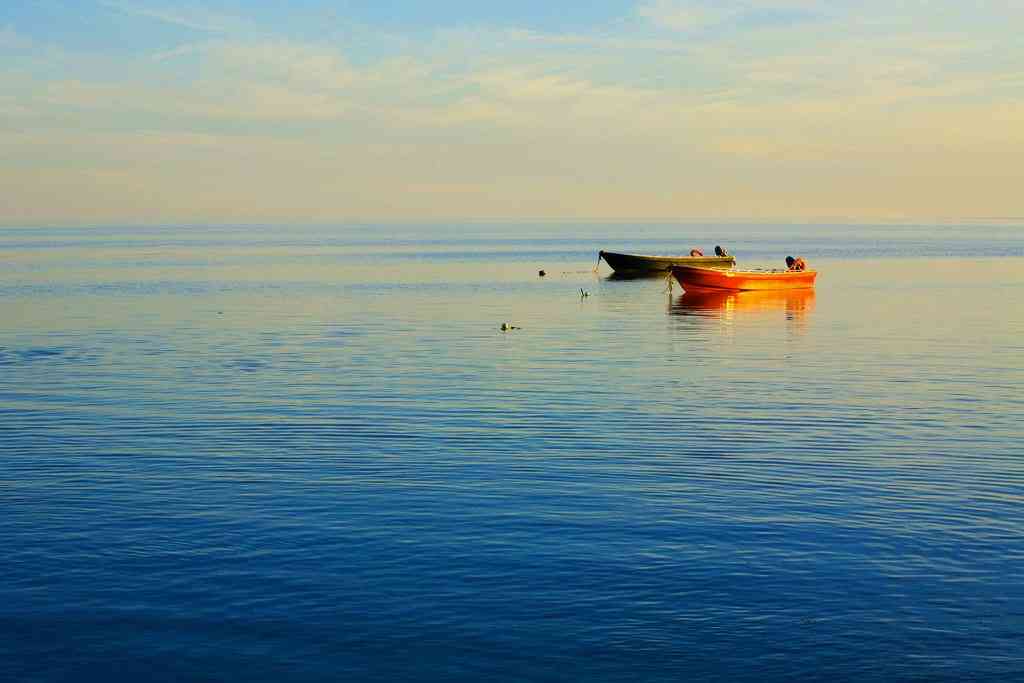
(191, 17)
(684, 17)
(610, 120)
(12, 40)
(696, 15)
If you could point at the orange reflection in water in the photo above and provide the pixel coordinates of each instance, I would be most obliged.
(795, 303)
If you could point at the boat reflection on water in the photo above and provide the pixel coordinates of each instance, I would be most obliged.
(636, 275)
(795, 303)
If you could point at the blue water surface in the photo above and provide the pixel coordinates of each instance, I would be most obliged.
(310, 454)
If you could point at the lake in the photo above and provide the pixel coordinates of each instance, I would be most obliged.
(310, 454)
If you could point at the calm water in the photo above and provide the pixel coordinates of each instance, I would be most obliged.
(311, 455)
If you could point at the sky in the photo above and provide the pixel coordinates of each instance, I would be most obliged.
(232, 111)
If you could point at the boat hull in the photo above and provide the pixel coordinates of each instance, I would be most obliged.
(642, 263)
(696, 278)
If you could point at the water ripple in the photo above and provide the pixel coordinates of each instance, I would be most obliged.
(285, 468)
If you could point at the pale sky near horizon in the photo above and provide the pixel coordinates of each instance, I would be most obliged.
(151, 111)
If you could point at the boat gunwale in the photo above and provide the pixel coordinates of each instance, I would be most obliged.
(637, 263)
(603, 252)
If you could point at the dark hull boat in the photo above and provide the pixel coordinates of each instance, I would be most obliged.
(641, 263)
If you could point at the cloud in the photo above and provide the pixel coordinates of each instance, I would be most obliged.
(10, 107)
(502, 122)
(287, 61)
(237, 102)
(186, 16)
(696, 15)
(684, 17)
(12, 40)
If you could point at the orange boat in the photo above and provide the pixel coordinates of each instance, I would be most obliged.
(702, 279)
